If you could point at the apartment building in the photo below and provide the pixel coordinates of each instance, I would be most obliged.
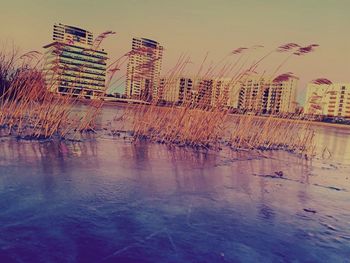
(143, 69)
(176, 90)
(73, 65)
(263, 95)
(328, 100)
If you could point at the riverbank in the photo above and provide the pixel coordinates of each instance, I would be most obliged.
(319, 123)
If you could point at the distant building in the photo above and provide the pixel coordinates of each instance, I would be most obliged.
(176, 90)
(73, 65)
(180, 89)
(262, 95)
(203, 92)
(254, 94)
(143, 69)
(328, 100)
(225, 93)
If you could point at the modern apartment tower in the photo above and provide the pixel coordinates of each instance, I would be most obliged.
(74, 66)
(143, 69)
(70, 34)
(328, 100)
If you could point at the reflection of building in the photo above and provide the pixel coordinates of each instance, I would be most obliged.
(258, 94)
(330, 100)
(143, 70)
(73, 65)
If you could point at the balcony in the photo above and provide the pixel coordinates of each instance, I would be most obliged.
(82, 59)
(80, 64)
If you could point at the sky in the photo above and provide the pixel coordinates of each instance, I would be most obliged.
(196, 27)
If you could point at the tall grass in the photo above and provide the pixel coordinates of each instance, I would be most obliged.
(27, 107)
(197, 124)
(184, 126)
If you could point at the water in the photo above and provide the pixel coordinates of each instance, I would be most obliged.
(107, 200)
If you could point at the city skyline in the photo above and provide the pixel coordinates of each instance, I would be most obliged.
(195, 28)
(174, 131)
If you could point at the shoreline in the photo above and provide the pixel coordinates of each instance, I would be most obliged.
(318, 123)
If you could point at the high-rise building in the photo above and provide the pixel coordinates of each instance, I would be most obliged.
(73, 65)
(263, 95)
(329, 100)
(143, 69)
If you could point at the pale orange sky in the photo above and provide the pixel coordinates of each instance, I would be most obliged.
(196, 27)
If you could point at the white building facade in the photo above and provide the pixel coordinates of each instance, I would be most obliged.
(329, 100)
(263, 95)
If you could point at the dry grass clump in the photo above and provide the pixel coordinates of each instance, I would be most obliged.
(177, 125)
(29, 110)
(184, 126)
(266, 133)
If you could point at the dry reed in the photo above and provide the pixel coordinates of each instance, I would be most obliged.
(29, 110)
(197, 123)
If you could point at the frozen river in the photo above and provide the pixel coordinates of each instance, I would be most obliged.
(107, 200)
